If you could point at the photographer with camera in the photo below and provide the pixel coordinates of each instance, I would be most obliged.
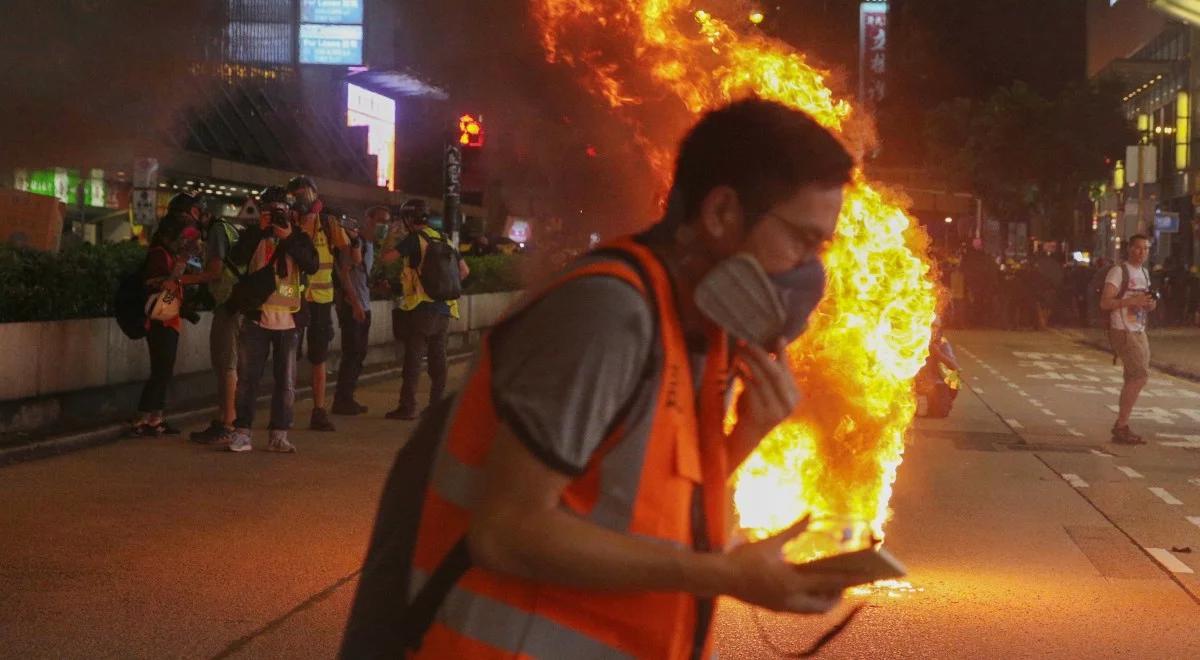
(272, 325)
(1129, 299)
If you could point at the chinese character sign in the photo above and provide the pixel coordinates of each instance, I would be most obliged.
(872, 52)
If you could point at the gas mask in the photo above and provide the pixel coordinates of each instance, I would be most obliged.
(303, 200)
(738, 295)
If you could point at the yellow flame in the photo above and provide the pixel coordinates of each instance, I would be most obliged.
(839, 456)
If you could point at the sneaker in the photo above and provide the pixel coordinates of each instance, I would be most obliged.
(142, 430)
(163, 428)
(279, 443)
(402, 413)
(320, 421)
(1123, 435)
(207, 436)
(239, 441)
(348, 408)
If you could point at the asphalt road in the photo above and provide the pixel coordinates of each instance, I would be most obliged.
(154, 548)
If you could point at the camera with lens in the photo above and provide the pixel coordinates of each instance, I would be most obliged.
(280, 218)
(1154, 294)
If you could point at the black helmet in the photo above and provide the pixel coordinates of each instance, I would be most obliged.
(415, 211)
(184, 202)
(273, 195)
(298, 182)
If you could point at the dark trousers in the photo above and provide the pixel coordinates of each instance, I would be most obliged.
(255, 344)
(421, 333)
(355, 336)
(164, 344)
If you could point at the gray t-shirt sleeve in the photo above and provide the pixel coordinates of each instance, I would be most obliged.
(563, 369)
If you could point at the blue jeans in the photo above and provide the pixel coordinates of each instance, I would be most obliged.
(254, 345)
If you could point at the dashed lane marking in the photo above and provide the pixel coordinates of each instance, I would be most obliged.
(1129, 472)
(1077, 434)
(1195, 520)
(1075, 480)
(1169, 561)
(1061, 421)
(1023, 393)
(1014, 386)
(1097, 452)
(1049, 412)
(1165, 496)
(1014, 423)
(979, 390)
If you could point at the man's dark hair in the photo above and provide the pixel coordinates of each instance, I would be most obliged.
(764, 150)
(1138, 237)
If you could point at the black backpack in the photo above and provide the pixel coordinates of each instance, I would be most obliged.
(129, 305)
(439, 269)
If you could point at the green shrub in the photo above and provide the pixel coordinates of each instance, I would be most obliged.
(78, 282)
(493, 273)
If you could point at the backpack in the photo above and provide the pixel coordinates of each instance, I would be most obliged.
(439, 269)
(129, 305)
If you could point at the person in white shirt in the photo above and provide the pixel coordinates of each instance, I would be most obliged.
(1128, 299)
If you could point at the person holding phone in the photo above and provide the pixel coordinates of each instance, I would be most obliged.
(577, 500)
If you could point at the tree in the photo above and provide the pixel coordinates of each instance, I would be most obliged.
(1031, 159)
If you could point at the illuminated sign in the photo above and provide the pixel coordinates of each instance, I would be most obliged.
(872, 51)
(339, 12)
(64, 185)
(470, 131)
(331, 44)
(378, 113)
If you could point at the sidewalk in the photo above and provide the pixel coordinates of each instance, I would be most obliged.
(1172, 350)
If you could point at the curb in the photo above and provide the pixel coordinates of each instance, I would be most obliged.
(1167, 368)
(65, 444)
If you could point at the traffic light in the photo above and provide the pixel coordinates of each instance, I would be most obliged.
(470, 131)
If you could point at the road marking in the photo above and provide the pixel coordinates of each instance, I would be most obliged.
(1022, 393)
(1165, 496)
(1098, 452)
(1194, 482)
(1195, 520)
(1049, 412)
(1075, 481)
(1077, 434)
(1004, 380)
(1169, 561)
(1014, 423)
(1014, 386)
(1061, 421)
(1186, 441)
(979, 390)
(1130, 472)
(1036, 403)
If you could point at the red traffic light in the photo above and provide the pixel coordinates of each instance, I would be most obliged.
(470, 131)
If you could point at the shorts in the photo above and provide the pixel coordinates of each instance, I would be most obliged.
(319, 332)
(1134, 350)
(223, 338)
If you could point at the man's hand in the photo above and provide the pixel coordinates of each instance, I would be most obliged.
(771, 394)
(360, 315)
(762, 576)
(1141, 301)
(282, 232)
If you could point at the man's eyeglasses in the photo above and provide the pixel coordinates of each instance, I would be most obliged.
(810, 237)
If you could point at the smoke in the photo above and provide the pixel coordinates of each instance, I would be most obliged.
(88, 77)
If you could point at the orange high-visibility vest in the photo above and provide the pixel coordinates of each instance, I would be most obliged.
(660, 475)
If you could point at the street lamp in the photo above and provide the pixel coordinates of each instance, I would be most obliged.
(949, 220)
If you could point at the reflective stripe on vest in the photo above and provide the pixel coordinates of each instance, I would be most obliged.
(640, 482)
(320, 283)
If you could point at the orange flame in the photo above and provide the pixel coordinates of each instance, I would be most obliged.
(839, 455)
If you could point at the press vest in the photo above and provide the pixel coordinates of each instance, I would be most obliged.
(660, 475)
(288, 288)
(320, 284)
(414, 293)
(221, 288)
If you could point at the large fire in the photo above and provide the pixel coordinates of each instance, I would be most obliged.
(839, 456)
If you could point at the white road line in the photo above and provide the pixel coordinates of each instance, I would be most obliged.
(1049, 412)
(1075, 481)
(1129, 472)
(1022, 393)
(1099, 453)
(1061, 421)
(1014, 386)
(1014, 423)
(1169, 561)
(1165, 496)
(978, 390)
(1195, 520)
(1036, 402)
(1077, 434)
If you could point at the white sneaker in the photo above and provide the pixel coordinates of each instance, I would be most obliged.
(279, 443)
(241, 441)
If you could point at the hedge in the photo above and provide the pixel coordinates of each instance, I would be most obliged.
(81, 280)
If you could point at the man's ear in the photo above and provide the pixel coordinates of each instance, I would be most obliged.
(721, 214)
